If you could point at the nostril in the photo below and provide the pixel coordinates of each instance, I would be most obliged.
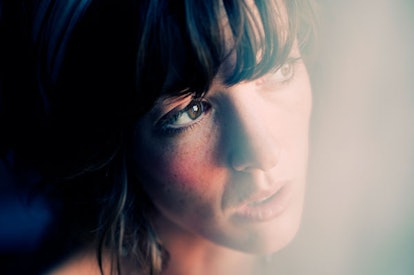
(238, 162)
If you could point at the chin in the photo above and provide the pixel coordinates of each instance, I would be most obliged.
(274, 241)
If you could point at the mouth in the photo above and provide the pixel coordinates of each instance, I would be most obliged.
(263, 201)
(266, 206)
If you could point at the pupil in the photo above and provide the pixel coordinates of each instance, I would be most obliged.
(194, 111)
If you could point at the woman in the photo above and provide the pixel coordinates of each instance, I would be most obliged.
(171, 135)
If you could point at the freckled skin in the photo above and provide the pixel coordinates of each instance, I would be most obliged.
(254, 135)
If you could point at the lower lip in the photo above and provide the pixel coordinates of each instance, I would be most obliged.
(267, 210)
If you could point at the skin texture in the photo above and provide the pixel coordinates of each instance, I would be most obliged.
(252, 138)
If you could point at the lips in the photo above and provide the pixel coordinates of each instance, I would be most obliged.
(266, 205)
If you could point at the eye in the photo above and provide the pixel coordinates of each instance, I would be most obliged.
(192, 112)
(284, 73)
(178, 120)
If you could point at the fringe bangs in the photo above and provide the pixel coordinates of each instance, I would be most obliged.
(185, 45)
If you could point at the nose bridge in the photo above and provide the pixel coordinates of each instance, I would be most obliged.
(253, 143)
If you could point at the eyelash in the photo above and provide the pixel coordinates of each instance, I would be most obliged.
(165, 126)
(270, 78)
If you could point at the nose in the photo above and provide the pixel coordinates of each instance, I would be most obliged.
(252, 137)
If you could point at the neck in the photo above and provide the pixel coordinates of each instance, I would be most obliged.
(192, 254)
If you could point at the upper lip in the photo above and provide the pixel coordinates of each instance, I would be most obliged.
(260, 195)
(264, 194)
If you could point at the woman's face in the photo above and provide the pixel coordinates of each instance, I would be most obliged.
(231, 167)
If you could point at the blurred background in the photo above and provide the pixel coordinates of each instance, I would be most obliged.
(359, 213)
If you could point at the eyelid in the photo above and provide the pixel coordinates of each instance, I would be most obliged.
(164, 126)
(290, 61)
(168, 104)
(179, 110)
(270, 79)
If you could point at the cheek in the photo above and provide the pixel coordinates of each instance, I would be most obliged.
(178, 175)
(180, 164)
